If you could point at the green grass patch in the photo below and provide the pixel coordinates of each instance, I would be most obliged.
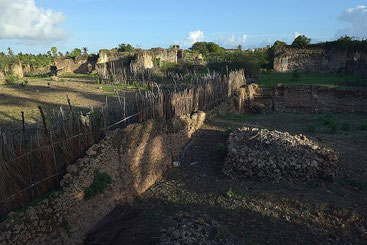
(341, 80)
(74, 75)
(99, 185)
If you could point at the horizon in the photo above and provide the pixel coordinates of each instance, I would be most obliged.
(34, 26)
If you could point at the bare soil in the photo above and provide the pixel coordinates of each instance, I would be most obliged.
(314, 212)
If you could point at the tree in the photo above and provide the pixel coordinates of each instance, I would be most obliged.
(206, 48)
(54, 51)
(60, 54)
(301, 41)
(125, 47)
(10, 52)
(85, 51)
(200, 47)
(239, 47)
(76, 53)
(214, 48)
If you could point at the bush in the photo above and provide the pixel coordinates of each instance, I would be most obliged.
(10, 79)
(125, 47)
(100, 183)
(301, 41)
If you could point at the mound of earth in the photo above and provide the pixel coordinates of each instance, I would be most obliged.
(262, 154)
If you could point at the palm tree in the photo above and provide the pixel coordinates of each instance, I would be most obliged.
(85, 51)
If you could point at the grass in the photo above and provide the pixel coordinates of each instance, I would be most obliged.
(320, 79)
(352, 124)
(83, 92)
(99, 185)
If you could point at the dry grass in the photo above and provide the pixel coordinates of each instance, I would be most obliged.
(83, 92)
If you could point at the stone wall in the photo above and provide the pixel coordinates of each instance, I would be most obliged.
(79, 65)
(15, 69)
(320, 59)
(135, 157)
(111, 62)
(301, 98)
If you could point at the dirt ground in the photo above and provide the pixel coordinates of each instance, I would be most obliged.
(314, 212)
(82, 90)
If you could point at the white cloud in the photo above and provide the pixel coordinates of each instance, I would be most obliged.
(232, 41)
(357, 19)
(23, 20)
(193, 37)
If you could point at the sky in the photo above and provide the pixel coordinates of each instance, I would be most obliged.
(34, 26)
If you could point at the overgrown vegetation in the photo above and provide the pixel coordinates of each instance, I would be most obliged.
(125, 47)
(301, 41)
(11, 79)
(99, 185)
(348, 43)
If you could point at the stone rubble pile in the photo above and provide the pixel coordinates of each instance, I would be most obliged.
(261, 154)
(191, 229)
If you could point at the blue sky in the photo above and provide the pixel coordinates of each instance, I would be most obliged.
(36, 25)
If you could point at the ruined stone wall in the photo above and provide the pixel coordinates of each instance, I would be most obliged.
(302, 98)
(135, 158)
(320, 59)
(112, 63)
(79, 65)
(15, 69)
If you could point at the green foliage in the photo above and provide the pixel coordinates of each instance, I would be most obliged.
(100, 183)
(10, 79)
(348, 43)
(6, 61)
(85, 51)
(54, 51)
(250, 61)
(77, 52)
(301, 41)
(206, 48)
(125, 47)
(36, 61)
(10, 52)
(318, 79)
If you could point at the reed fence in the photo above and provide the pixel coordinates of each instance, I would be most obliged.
(32, 165)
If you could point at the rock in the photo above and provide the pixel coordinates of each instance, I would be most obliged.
(91, 152)
(272, 155)
(72, 169)
(54, 78)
